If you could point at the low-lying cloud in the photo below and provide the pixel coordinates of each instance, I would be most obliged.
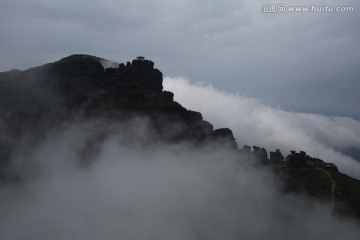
(256, 123)
(134, 191)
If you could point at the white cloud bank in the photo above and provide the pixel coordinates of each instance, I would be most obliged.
(255, 123)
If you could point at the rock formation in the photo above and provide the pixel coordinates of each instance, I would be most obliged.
(36, 100)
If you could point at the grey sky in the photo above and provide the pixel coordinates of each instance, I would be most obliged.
(307, 62)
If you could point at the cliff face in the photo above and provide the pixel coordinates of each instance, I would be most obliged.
(34, 101)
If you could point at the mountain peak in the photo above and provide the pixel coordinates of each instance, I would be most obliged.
(84, 86)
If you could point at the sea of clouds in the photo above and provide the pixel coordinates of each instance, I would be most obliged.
(257, 123)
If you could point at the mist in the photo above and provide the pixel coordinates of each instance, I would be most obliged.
(131, 186)
(254, 122)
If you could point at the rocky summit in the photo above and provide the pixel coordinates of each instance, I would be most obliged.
(80, 84)
(34, 101)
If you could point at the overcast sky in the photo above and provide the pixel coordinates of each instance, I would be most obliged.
(302, 62)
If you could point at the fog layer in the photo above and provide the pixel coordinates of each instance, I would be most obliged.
(128, 187)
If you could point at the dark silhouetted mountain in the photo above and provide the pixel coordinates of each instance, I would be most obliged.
(79, 83)
(36, 100)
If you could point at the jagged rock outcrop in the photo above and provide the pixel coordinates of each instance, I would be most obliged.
(296, 159)
(36, 100)
(225, 135)
(260, 155)
(245, 152)
(276, 156)
(79, 83)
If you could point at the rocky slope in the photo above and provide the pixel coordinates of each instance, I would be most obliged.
(36, 100)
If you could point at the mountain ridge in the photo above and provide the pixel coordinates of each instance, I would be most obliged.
(81, 84)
